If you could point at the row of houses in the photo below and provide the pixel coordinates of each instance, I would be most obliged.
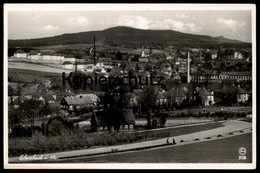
(179, 94)
(88, 67)
(46, 56)
(238, 76)
(207, 96)
(69, 100)
(64, 99)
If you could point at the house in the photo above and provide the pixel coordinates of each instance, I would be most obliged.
(207, 97)
(89, 68)
(81, 66)
(16, 102)
(242, 95)
(238, 55)
(144, 51)
(78, 102)
(143, 59)
(20, 54)
(214, 55)
(46, 99)
(153, 60)
(169, 57)
(242, 76)
(69, 58)
(67, 65)
(34, 55)
(176, 95)
(133, 99)
(120, 120)
(13, 100)
(93, 97)
(100, 121)
(99, 70)
(65, 93)
(161, 99)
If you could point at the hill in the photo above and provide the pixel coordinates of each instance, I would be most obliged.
(129, 37)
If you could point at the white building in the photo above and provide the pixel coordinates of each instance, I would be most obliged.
(69, 58)
(242, 95)
(238, 55)
(20, 54)
(67, 65)
(206, 96)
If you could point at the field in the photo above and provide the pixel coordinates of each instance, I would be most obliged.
(30, 73)
(99, 47)
(36, 67)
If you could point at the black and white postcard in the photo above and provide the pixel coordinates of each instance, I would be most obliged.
(129, 86)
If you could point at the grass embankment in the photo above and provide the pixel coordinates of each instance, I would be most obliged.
(40, 144)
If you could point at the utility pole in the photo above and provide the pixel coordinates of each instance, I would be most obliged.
(94, 51)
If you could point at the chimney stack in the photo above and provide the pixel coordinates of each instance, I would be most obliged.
(188, 67)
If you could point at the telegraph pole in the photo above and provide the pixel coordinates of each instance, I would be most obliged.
(94, 51)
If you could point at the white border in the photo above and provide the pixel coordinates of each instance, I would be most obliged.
(128, 7)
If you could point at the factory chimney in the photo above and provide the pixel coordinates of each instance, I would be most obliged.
(188, 68)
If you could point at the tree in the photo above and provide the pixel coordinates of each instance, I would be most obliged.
(123, 65)
(28, 108)
(148, 98)
(45, 110)
(118, 56)
(116, 94)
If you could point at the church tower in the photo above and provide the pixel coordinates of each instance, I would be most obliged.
(143, 53)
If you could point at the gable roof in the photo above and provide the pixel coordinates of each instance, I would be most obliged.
(160, 95)
(78, 100)
(19, 51)
(127, 116)
(33, 52)
(143, 59)
(48, 98)
(176, 92)
(69, 56)
(101, 117)
(50, 92)
(66, 63)
(241, 91)
(228, 89)
(91, 96)
(203, 93)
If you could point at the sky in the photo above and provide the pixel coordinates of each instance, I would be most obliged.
(233, 24)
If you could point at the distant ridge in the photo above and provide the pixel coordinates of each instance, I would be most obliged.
(128, 36)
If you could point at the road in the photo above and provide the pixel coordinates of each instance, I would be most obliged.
(216, 151)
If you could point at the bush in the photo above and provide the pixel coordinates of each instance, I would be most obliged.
(56, 128)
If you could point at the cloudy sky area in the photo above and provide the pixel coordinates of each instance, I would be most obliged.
(38, 24)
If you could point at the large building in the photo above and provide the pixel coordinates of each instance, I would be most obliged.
(79, 101)
(44, 57)
(20, 54)
(120, 120)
